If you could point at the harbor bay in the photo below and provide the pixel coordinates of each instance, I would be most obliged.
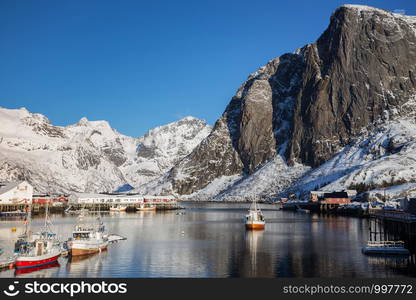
(210, 240)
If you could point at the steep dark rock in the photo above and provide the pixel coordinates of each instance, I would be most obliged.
(357, 69)
(307, 105)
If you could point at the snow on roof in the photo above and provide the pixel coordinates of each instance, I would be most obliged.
(158, 197)
(103, 196)
(7, 186)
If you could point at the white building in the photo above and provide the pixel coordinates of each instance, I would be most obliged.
(15, 193)
(87, 198)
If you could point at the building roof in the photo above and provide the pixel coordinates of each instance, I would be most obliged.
(104, 196)
(336, 195)
(7, 186)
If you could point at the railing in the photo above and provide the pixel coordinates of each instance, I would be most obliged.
(385, 243)
(399, 215)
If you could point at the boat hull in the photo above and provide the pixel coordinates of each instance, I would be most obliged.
(255, 225)
(146, 208)
(80, 249)
(30, 270)
(385, 250)
(34, 262)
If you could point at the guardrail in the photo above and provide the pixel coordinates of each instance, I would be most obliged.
(397, 215)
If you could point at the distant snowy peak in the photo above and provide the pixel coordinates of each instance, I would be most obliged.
(185, 133)
(161, 148)
(22, 122)
(89, 156)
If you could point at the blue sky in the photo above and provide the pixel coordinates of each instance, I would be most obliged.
(140, 64)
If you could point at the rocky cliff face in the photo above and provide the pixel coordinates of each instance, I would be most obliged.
(362, 65)
(306, 106)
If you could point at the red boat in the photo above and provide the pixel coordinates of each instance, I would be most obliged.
(38, 253)
(37, 250)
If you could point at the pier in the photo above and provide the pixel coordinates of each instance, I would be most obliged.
(393, 226)
(7, 263)
(93, 202)
(130, 207)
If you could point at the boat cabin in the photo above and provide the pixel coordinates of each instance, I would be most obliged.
(81, 235)
(255, 216)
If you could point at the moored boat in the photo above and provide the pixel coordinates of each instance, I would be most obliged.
(118, 207)
(87, 238)
(39, 249)
(255, 218)
(385, 248)
(144, 207)
(39, 253)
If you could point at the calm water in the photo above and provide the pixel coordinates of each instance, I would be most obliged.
(210, 241)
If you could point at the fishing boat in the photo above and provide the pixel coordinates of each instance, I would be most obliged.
(255, 218)
(118, 207)
(149, 207)
(71, 211)
(38, 249)
(385, 248)
(87, 238)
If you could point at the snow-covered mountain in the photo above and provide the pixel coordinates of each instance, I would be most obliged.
(323, 116)
(382, 156)
(88, 156)
(337, 113)
(163, 147)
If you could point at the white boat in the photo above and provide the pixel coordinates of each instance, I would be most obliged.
(118, 207)
(385, 248)
(39, 249)
(144, 207)
(87, 238)
(255, 218)
(71, 211)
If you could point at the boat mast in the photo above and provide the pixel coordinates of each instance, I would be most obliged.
(47, 221)
(28, 219)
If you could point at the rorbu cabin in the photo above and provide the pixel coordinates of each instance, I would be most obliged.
(336, 198)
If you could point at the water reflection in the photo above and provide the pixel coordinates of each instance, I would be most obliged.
(210, 240)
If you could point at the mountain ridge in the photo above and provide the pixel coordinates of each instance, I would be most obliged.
(308, 105)
(88, 156)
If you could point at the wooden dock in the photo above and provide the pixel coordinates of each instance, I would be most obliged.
(40, 208)
(7, 263)
(395, 225)
(130, 207)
